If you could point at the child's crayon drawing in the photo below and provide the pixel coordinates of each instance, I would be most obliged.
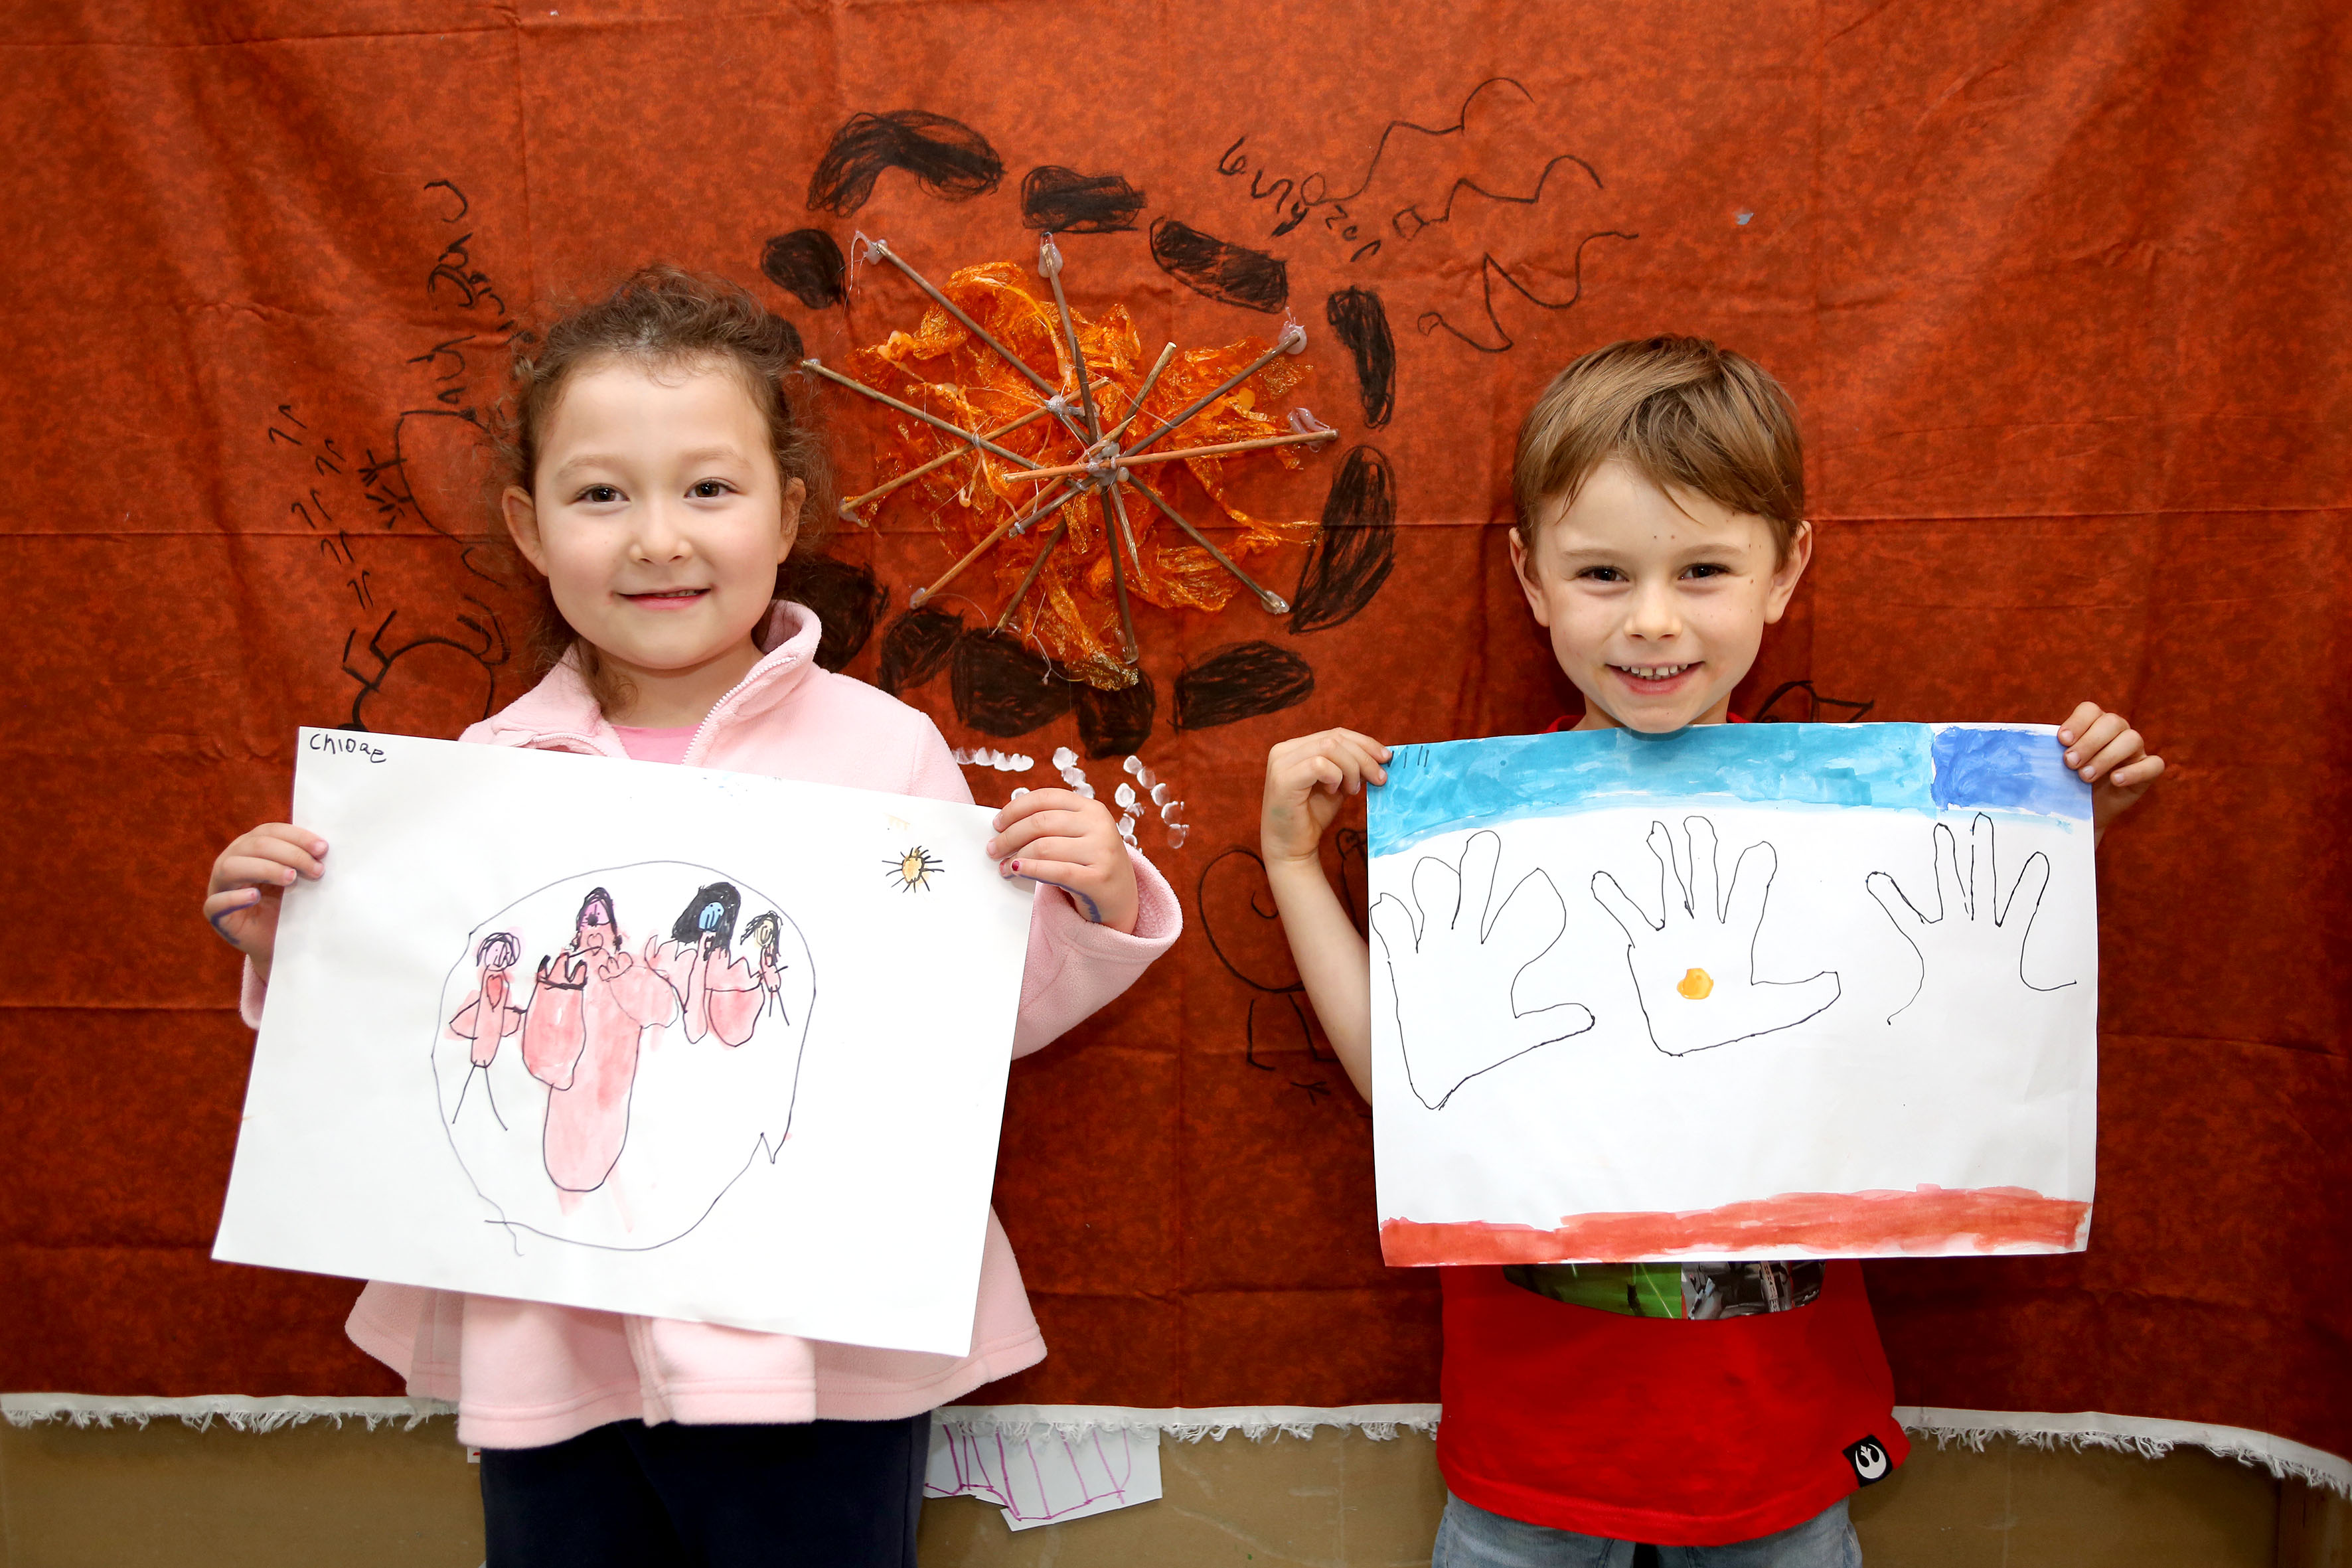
(660, 1031)
(1698, 995)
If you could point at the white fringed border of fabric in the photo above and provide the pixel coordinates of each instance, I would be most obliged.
(2149, 1436)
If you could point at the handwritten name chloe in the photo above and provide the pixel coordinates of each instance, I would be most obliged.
(346, 746)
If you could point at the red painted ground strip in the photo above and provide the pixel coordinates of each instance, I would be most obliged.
(1928, 1220)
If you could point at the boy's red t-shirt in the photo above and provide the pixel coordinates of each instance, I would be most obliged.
(1667, 1430)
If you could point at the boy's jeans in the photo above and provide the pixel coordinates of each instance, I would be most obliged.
(1470, 1537)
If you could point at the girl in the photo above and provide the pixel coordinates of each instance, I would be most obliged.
(660, 477)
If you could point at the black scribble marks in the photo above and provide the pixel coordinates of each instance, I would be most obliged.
(1409, 221)
(1361, 324)
(948, 158)
(414, 684)
(464, 206)
(1064, 201)
(916, 646)
(845, 596)
(1114, 723)
(1498, 339)
(1238, 916)
(1317, 1092)
(1228, 273)
(1002, 689)
(807, 263)
(1241, 681)
(1817, 708)
(1354, 553)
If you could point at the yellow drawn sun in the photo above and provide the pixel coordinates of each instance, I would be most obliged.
(913, 869)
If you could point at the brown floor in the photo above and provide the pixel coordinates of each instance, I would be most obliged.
(132, 1498)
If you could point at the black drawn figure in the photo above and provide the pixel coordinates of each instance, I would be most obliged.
(1361, 324)
(948, 158)
(918, 647)
(1454, 961)
(808, 264)
(1354, 553)
(1241, 681)
(1229, 273)
(1694, 968)
(649, 1076)
(1062, 201)
(1973, 946)
(489, 1015)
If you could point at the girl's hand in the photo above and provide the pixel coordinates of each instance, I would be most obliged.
(1067, 841)
(250, 877)
(2109, 755)
(1306, 781)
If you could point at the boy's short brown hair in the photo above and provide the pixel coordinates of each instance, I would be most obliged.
(1678, 411)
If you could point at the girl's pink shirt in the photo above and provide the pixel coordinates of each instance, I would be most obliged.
(524, 1374)
(655, 745)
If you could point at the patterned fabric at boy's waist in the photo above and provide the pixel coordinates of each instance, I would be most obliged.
(1696, 1292)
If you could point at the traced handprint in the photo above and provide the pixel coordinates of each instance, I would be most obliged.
(1984, 947)
(1696, 970)
(1454, 969)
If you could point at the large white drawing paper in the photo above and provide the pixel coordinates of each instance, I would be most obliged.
(1739, 991)
(627, 1036)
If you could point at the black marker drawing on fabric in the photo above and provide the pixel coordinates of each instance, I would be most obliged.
(1454, 961)
(1498, 340)
(948, 158)
(912, 870)
(1355, 551)
(1062, 201)
(1114, 723)
(1819, 709)
(1295, 200)
(1361, 324)
(847, 598)
(464, 206)
(918, 647)
(1974, 934)
(1694, 968)
(1241, 681)
(809, 264)
(437, 662)
(1229, 273)
(598, 1018)
(1237, 916)
(1002, 689)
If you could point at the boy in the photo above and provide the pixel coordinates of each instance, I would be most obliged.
(1661, 496)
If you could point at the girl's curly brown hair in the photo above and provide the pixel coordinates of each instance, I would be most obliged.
(665, 316)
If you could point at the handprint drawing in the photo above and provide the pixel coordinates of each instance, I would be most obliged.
(1694, 969)
(1975, 941)
(1454, 961)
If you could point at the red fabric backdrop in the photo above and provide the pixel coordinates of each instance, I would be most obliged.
(2061, 289)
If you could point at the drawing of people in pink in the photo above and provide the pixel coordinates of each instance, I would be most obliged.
(721, 996)
(489, 1015)
(591, 1008)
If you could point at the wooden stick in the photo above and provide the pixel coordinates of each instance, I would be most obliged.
(1126, 618)
(1273, 603)
(1254, 444)
(848, 508)
(1230, 382)
(1015, 360)
(921, 596)
(1061, 531)
(933, 419)
(1116, 431)
(1070, 332)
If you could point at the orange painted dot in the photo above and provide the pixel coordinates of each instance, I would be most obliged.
(1696, 985)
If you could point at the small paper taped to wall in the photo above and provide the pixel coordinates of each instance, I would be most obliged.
(1045, 1478)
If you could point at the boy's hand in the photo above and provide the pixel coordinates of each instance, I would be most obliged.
(2109, 754)
(1307, 781)
(1067, 841)
(251, 877)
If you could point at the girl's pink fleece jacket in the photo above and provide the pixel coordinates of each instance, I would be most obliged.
(524, 1373)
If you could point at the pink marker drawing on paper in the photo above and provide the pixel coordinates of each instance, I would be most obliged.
(650, 1073)
(489, 1015)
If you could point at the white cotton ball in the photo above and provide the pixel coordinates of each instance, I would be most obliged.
(1064, 757)
(962, 757)
(1086, 789)
(1073, 777)
(1126, 828)
(1022, 762)
(1126, 796)
(1146, 777)
(1132, 766)
(1176, 836)
(1019, 792)
(1171, 811)
(1159, 794)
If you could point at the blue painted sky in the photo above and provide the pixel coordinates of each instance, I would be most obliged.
(1438, 788)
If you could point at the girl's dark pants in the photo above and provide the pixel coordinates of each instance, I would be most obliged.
(844, 1494)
